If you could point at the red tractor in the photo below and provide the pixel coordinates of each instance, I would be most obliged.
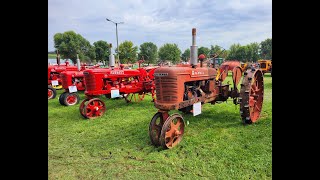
(188, 88)
(54, 81)
(132, 84)
(73, 81)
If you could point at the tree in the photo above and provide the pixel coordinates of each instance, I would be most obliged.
(149, 51)
(70, 44)
(204, 50)
(266, 49)
(234, 52)
(127, 52)
(170, 52)
(102, 51)
(252, 53)
(186, 55)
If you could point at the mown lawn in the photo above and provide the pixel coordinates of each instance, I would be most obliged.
(216, 145)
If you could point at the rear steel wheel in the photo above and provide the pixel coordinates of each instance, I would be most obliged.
(251, 96)
(172, 131)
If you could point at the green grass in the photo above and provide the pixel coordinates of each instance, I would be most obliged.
(116, 146)
(52, 56)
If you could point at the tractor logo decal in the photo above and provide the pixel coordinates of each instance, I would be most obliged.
(160, 74)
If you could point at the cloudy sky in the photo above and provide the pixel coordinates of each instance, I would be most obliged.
(218, 22)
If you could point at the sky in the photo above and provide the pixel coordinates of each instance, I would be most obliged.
(218, 22)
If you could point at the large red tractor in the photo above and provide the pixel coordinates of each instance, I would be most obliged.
(132, 84)
(188, 88)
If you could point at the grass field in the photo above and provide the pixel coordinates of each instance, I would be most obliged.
(216, 145)
(52, 56)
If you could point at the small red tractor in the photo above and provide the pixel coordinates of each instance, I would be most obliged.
(187, 88)
(73, 81)
(132, 84)
(54, 81)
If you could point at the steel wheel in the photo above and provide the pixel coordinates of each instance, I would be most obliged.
(81, 107)
(172, 131)
(70, 99)
(94, 108)
(155, 127)
(251, 96)
(51, 92)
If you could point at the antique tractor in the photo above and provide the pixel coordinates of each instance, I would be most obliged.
(54, 81)
(73, 81)
(132, 84)
(187, 88)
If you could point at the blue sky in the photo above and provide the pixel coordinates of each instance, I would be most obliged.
(218, 22)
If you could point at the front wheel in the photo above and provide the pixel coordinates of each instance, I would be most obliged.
(51, 92)
(70, 99)
(172, 131)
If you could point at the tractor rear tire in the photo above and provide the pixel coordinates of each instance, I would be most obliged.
(61, 97)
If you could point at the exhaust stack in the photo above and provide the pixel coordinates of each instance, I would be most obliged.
(111, 57)
(193, 49)
(78, 62)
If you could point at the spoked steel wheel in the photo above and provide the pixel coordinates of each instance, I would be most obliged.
(251, 95)
(81, 107)
(94, 108)
(155, 127)
(172, 131)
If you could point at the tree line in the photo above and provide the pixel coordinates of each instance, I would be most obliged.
(69, 44)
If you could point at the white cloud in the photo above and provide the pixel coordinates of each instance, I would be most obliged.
(221, 22)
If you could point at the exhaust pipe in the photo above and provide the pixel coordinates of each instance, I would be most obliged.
(111, 57)
(78, 62)
(193, 50)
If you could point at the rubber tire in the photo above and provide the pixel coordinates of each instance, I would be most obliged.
(53, 90)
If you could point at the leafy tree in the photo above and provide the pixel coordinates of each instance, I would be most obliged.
(127, 52)
(252, 52)
(203, 50)
(102, 51)
(266, 49)
(70, 44)
(233, 52)
(186, 55)
(170, 52)
(149, 51)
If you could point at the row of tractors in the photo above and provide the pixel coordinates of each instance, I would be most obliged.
(182, 87)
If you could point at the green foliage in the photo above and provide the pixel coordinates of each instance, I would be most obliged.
(215, 49)
(102, 51)
(204, 50)
(169, 52)
(266, 49)
(70, 44)
(149, 51)
(186, 55)
(127, 52)
(215, 145)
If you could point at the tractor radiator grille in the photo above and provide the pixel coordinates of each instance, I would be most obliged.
(90, 82)
(166, 89)
(64, 81)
